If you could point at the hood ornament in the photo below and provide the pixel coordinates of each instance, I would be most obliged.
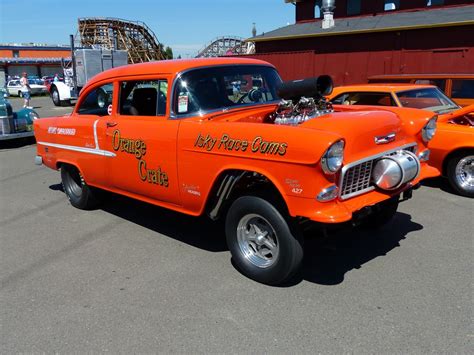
(385, 139)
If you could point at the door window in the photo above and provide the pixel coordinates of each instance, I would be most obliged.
(143, 98)
(97, 101)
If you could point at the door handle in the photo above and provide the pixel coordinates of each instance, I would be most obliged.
(111, 124)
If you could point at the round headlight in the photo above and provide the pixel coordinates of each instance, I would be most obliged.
(428, 132)
(331, 161)
(33, 115)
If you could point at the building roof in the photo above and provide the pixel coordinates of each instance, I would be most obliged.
(33, 46)
(390, 21)
(24, 60)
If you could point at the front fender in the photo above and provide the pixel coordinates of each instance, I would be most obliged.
(287, 156)
(412, 120)
(27, 114)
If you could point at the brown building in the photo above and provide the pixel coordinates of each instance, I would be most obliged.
(35, 59)
(372, 37)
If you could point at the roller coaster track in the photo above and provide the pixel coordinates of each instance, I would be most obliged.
(226, 45)
(113, 33)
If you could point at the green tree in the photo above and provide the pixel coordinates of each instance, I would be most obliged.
(168, 53)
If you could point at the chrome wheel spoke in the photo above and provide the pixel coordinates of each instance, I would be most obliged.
(250, 233)
(265, 253)
(269, 244)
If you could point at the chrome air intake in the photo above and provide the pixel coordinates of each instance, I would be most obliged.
(392, 171)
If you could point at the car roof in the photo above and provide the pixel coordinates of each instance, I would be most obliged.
(421, 76)
(173, 66)
(381, 87)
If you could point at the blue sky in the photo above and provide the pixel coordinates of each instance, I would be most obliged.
(184, 25)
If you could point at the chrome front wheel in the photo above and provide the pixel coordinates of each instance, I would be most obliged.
(257, 240)
(263, 245)
(465, 173)
(461, 174)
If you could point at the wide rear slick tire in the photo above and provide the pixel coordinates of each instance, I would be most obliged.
(261, 241)
(77, 191)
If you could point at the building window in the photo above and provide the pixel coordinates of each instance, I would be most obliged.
(434, 2)
(16, 53)
(353, 7)
(391, 5)
(318, 13)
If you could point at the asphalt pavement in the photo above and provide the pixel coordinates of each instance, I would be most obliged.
(134, 278)
(43, 105)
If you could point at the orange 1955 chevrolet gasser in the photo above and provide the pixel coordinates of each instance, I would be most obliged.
(224, 137)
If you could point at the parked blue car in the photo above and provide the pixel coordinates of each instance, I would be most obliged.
(15, 124)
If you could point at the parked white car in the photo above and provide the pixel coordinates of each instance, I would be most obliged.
(37, 87)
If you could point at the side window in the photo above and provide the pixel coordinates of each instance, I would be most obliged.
(462, 89)
(440, 83)
(143, 98)
(97, 101)
(353, 7)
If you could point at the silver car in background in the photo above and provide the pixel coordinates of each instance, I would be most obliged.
(37, 87)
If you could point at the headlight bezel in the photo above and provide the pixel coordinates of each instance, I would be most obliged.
(33, 115)
(429, 129)
(333, 157)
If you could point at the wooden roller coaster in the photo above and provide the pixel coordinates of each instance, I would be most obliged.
(113, 33)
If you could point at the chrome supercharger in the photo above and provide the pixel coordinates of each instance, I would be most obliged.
(392, 171)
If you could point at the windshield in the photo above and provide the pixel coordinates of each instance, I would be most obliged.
(218, 88)
(428, 99)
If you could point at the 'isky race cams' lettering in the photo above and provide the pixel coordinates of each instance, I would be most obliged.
(228, 143)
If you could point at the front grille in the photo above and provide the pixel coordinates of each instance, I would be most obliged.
(357, 177)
